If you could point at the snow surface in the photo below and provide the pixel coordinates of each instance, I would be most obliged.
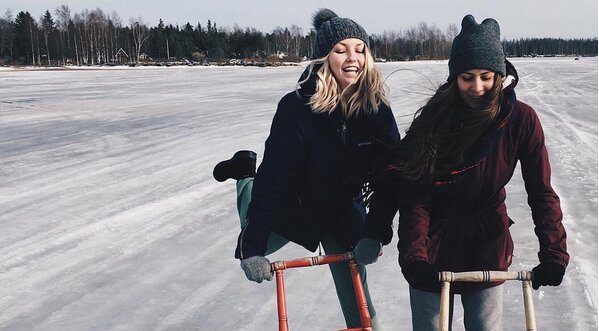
(110, 218)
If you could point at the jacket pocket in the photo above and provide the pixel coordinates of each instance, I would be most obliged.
(440, 247)
(495, 254)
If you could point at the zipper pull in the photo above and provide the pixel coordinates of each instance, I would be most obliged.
(343, 130)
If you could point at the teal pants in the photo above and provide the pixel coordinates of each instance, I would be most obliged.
(340, 271)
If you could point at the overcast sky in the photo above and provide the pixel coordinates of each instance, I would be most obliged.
(517, 18)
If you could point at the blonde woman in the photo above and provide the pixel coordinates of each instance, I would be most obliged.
(325, 140)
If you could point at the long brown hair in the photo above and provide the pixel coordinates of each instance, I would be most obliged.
(444, 130)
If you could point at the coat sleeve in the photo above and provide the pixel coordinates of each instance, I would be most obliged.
(382, 210)
(383, 206)
(542, 199)
(414, 222)
(276, 178)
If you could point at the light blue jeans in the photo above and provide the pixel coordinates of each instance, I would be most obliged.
(340, 271)
(482, 309)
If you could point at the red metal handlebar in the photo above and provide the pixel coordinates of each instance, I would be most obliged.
(311, 261)
(279, 266)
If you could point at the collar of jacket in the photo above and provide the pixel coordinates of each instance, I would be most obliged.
(504, 119)
(511, 77)
(308, 87)
(486, 143)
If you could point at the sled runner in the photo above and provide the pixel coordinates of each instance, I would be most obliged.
(279, 266)
(447, 277)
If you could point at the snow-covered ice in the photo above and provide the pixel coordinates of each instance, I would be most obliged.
(110, 218)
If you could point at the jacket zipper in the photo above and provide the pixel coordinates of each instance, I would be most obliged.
(343, 131)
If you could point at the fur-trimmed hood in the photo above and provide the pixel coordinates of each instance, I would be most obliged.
(511, 78)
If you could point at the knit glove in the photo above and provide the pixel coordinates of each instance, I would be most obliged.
(256, 268)
(422, 275)
(367, 251)
(547, 273)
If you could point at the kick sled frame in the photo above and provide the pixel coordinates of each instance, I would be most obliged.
(447, 277)
(279, 267)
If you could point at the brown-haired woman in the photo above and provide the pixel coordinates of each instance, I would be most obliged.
(458, 155)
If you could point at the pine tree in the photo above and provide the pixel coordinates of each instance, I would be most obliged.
(23, 41)
(47, 23)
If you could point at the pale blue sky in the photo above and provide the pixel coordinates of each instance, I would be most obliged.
(517, 18)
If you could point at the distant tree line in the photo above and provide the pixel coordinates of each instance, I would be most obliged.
(95, 37)
(550, 47)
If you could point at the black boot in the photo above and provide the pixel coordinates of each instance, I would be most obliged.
(241, 165)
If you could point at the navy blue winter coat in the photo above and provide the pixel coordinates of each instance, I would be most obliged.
(313, 169)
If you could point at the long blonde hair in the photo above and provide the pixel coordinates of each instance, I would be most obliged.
(364, 95)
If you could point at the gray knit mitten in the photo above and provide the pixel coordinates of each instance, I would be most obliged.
(367, 251)
(256, 268)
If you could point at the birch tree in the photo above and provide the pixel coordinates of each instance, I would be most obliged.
(63, 18)
(296, 35)
(31, 25)
(116, 25)
(140, 33)
(77, 28)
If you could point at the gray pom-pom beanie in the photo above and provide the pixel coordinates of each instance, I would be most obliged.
(331, 29)
(477, 46)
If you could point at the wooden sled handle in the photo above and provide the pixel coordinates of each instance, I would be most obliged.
(447, 277)
(484, 276)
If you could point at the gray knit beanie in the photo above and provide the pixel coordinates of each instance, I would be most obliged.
(477, 46)
(331, 29)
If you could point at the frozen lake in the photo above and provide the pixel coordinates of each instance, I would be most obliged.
(111, 220)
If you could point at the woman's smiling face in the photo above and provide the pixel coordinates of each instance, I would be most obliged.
(474, 84)
(346, 60)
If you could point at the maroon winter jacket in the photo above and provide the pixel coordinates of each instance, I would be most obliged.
(461, 222)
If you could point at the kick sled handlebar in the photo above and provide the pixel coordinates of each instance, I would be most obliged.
(447, 277)
(279, 266)
(311, 261)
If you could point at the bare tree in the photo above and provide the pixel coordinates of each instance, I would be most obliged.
(452, 31)
(310, 43)
(435, 40)
(421, 34)
(87, 39)
(287, 38)
(117, 25)
(140, 33)
(63, 17)
(277, 33)
(78, 23)
(389, 37)
(95, 25)
(296, 35)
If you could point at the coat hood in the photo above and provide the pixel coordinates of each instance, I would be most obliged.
(308, 87)
(511, 78)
